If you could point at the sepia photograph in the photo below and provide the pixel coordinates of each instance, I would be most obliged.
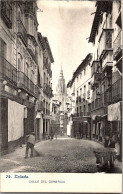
(60, 86)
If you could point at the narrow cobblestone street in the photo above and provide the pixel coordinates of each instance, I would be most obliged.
(64, 155)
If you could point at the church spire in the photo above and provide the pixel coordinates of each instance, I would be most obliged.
(61, 73)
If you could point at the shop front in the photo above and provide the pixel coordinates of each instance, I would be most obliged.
(99, 127)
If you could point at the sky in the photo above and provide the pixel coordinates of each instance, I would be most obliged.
(67, 25)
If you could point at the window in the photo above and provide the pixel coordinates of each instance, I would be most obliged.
(84, 71)
(32, 76)
(2, 48)
(84, 109)
(80, 110)
(108, 39)
(20, 62)
(27, 69)
(84, 88)
(77, 93)
(89, 86)
(80, 91)
(44, 77)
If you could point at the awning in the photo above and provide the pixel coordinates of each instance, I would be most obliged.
(96, 117)
(104, 116)
(114, 112)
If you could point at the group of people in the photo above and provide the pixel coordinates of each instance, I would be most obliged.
(113, 142)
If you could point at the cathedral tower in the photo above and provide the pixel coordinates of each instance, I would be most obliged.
(61, 92)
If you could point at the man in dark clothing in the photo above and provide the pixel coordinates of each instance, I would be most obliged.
(30, 144)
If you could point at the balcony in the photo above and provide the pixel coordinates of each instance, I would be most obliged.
(78, 99)
(107, 96)
(95, 79)
(95, 68)
(40, 106)
(105, 42)
(22, 33)
(111, 95)
(26, 84)
(29, 7)
(6, 13)
(8, 71)
(47, 90)
(117, 91)
(81, 114)
(117, 46)
(107, 62)
(97, 103)
(33, 52)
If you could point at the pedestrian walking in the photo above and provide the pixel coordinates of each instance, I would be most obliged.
(30, 144)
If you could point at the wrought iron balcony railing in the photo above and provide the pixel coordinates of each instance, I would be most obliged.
(40, 106)
(117, 46)
(78, 99)
(111, 95)
(26, 84)
(117, 91)
(96, 67)
(22, 33)
(6, 12)
(47, 90)
(8, 71)
(33, 53)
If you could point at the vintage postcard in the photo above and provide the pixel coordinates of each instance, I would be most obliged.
(61, 96)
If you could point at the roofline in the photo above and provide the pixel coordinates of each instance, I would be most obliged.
(75, 74)
(47, 47)
(40, 38)
(95, 24)
(102, 6)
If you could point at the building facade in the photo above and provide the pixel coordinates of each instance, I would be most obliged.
(47, 86)
(80, 86)
(20, 87)
(106, 71)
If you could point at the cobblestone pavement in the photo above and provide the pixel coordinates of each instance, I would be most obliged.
(62, 155)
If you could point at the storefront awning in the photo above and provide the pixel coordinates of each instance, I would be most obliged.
(104, 116)
(96, 117)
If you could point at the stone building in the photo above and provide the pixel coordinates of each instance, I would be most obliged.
(80, 86)
(106, 70)
(47, 86)
(20, 65)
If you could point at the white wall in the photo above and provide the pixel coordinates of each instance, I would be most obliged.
(15, 120)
